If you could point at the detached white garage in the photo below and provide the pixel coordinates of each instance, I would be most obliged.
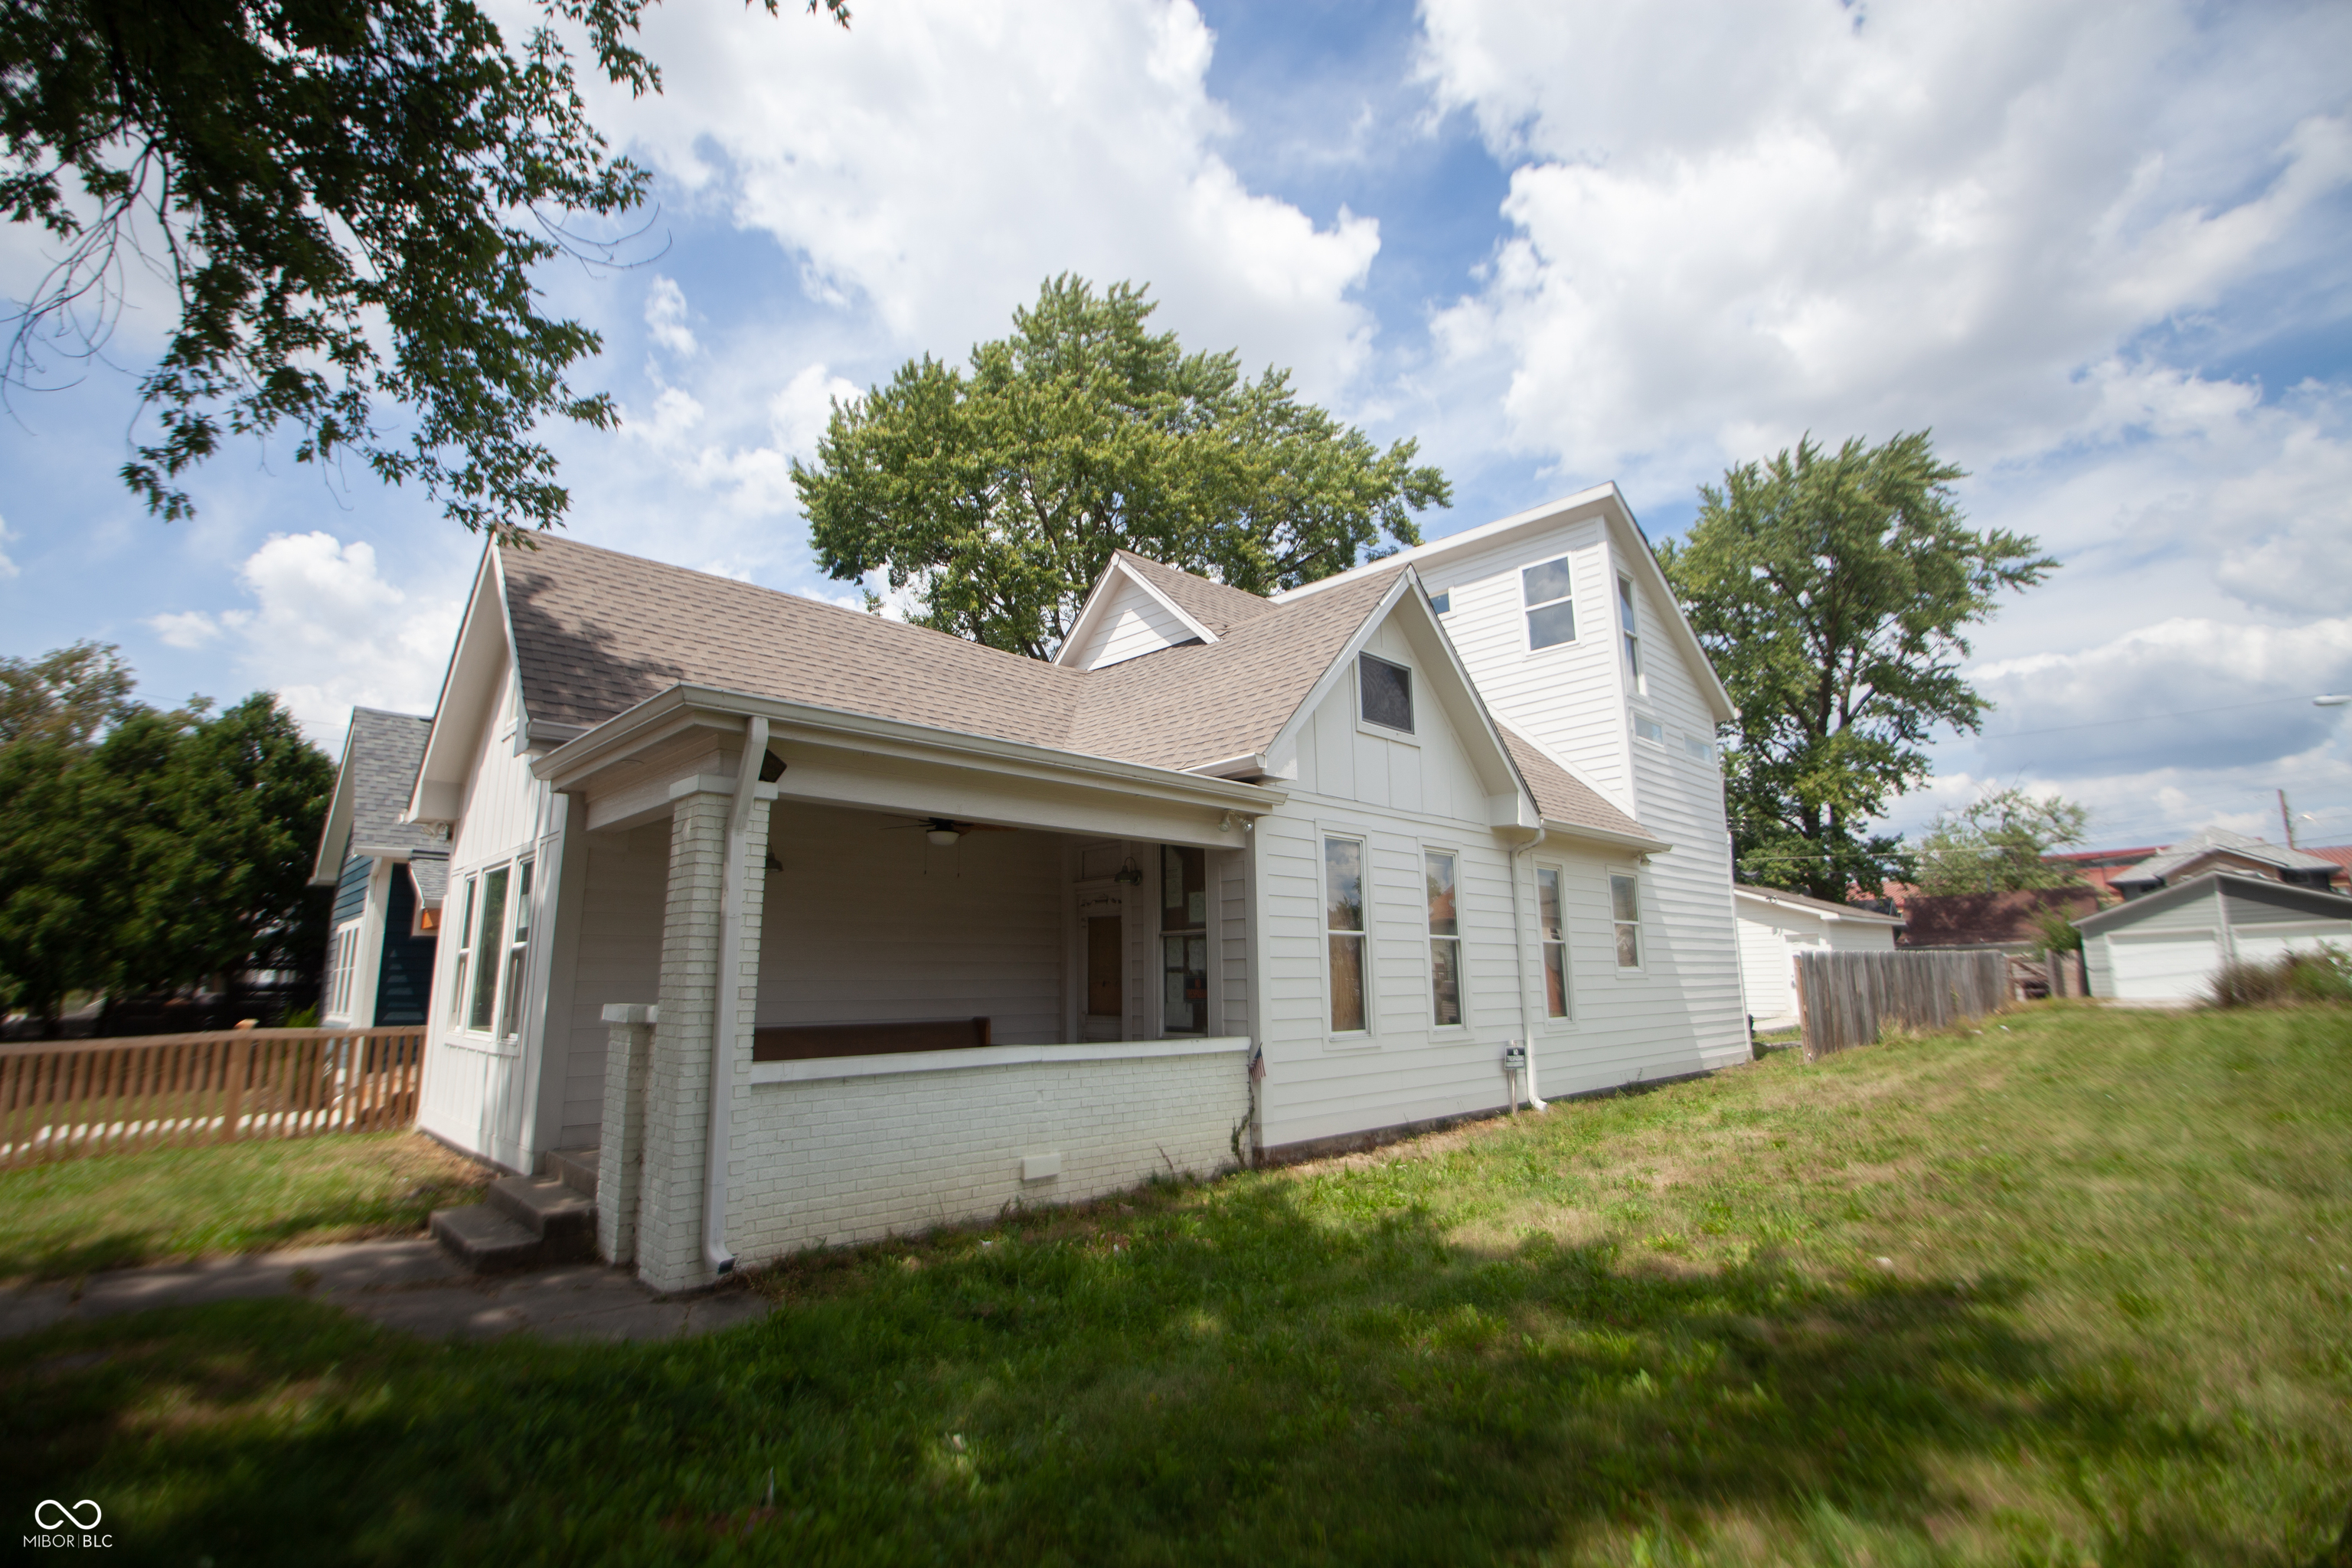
(2167, 946)
(1775, 926)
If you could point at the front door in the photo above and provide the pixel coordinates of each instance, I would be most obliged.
(1102, 968)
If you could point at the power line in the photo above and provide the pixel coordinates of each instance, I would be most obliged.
(2181, 713)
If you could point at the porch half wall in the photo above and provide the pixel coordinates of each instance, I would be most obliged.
(831, 1152)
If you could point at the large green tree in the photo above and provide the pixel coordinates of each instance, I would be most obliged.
(1998, 843)
(349, 198)
(1001, 491)
(171, 848)
(1833, 592)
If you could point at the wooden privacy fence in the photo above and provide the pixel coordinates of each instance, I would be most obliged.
(1847, 998)
(62, 1098)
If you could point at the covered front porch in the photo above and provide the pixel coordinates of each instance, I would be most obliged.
(924, 977)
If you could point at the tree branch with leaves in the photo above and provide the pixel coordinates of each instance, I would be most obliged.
(1833, 592)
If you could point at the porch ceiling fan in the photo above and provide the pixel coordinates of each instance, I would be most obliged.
(944, 831)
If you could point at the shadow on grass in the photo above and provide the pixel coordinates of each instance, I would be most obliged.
(1222, 1380)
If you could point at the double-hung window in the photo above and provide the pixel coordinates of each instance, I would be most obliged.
(1183, 940)
(1551, 613)
(1633, 632)
(1551, 931)
(510, 1011)
(1343, 920)
(346, 965)
(481, 1006)
(458, 993)
(1625, 909)
(1445, 939)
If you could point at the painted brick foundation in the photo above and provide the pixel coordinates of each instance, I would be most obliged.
(818, 1162)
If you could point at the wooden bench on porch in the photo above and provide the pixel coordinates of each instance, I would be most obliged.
(806, 1042)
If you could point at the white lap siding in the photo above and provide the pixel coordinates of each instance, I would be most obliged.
(617, 959)
(865, 921)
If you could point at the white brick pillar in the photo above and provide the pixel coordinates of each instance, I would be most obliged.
(621, 1157)
(706, 994)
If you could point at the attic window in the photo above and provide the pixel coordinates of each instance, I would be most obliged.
(1442, 600)
(1387, 691)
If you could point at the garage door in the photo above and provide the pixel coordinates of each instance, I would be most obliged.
(2174, 967)
(2262, 944)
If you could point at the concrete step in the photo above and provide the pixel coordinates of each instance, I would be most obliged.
(563, 1217)
(486, 1241)
(576, 1168)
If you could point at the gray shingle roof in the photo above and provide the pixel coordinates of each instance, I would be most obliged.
(383, 753)
(2218, 840)
(597, 631)
(1214, 605)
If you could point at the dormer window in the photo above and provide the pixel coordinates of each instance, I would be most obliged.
(1386, 690)
(1551, 615)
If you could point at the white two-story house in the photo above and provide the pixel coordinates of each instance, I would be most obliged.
(797, 926)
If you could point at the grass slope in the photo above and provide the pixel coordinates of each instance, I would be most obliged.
(2072, 1291)
(112, 1210)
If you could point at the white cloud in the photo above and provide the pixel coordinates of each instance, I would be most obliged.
(327, 632)
(935, 162)
(665, 315)
(7, 568)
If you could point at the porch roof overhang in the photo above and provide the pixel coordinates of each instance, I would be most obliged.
(886, 764)
(1639, 843)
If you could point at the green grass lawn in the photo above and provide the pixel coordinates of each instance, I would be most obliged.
(2072, 1291)
(73, 1215)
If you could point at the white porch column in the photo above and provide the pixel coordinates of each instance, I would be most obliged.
(707, 994)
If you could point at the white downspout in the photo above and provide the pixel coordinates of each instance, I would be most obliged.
(1519, 959)
(726, 1012)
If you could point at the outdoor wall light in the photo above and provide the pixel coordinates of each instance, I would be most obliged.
(1131, 874)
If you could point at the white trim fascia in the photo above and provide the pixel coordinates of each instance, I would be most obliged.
(1867, 917)
(338, 820)
(1095, 608)
(567, 765)
(1485, 533)
(487, 579)
(1620, 515)
(820, 1069)
(1636, 841)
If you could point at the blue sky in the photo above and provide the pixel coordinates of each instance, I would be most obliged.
(2100, 250)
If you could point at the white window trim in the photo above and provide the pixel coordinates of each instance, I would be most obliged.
(1365, 726)
(1366, 1038)
(342, 965)
(1527, 649)
(458, 1025)
(1640, 922)
(1461, 941)
(1629, 637)
(1640, 719)
(1158, 958)
(1543, 1018)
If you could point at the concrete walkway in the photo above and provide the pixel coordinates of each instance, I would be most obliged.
(409, 1285)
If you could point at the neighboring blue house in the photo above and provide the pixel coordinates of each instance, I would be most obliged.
(388, 876)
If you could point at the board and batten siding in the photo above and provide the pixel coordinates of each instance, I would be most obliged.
(1402, 798)
(474, 1092)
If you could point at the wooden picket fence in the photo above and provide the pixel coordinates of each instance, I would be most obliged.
(1847, 998)
(63, 1098)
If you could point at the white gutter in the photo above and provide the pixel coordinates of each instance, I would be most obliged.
(726, 1010)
